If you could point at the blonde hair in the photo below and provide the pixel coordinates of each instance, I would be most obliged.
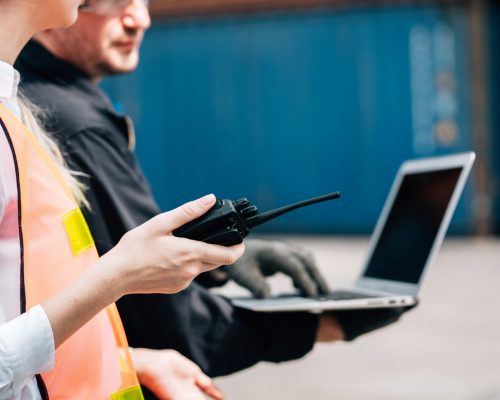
(31, 116)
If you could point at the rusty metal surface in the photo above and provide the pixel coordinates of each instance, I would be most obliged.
(165, 9)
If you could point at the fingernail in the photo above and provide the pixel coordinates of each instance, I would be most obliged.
(207, 200)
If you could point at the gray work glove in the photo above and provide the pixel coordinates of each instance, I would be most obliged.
(264, 258)
(355, 323)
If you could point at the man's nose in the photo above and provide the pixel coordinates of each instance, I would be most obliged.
(136, 15)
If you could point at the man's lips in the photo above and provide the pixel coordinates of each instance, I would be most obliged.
(128, 43)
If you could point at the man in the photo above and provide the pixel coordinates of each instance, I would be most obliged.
(60, 71)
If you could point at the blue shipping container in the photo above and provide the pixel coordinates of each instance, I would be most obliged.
(284, 106)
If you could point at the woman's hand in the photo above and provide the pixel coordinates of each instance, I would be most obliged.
(149, 259)
(171, 376)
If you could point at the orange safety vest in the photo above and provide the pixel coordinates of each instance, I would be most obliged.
(57, 248)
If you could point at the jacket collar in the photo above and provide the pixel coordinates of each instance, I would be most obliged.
(38, 64)
(37, 57)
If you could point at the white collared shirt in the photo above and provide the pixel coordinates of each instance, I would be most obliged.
(26, 341)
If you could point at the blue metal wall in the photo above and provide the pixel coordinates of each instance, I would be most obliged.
(284, 106)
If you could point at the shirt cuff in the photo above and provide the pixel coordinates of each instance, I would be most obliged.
(292, 336)
(28, 342)
(283, 336)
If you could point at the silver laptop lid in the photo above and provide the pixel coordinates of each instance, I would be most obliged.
(413, 222)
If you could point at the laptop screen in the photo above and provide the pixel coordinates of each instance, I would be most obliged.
(412, 225)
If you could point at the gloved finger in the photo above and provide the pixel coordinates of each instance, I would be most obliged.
(289, 264)
(214, 278)
(308, 259)
(246, 272)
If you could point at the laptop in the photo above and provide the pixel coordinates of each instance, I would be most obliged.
(407, 237)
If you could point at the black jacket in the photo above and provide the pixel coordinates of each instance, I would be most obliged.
(220, 338)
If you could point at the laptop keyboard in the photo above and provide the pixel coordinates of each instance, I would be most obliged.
(346, 295)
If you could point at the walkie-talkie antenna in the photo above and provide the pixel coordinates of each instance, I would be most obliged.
(264, 217)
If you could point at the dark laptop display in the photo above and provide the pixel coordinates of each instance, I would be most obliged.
(411, 227)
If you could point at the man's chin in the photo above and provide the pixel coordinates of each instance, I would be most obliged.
(122, 65)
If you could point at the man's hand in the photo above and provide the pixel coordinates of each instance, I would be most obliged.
(171, 376)
(265, 258)
(354, 323)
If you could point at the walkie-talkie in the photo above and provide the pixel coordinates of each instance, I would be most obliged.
(228, 222)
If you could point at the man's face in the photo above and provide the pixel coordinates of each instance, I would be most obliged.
(105, 40)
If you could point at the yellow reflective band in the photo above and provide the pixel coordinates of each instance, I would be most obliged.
(78, 231)
(130, 393)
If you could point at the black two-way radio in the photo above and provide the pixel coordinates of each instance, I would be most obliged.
(228, 222)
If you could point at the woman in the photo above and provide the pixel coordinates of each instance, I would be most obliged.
(52, 286)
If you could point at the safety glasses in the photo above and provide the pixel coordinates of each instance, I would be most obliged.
(108, 7)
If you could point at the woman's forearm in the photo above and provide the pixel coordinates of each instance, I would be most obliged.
(80, 301)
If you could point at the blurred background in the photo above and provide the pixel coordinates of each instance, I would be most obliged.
(282, 100)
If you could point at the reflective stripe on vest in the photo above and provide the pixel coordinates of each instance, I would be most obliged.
(57, 248)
